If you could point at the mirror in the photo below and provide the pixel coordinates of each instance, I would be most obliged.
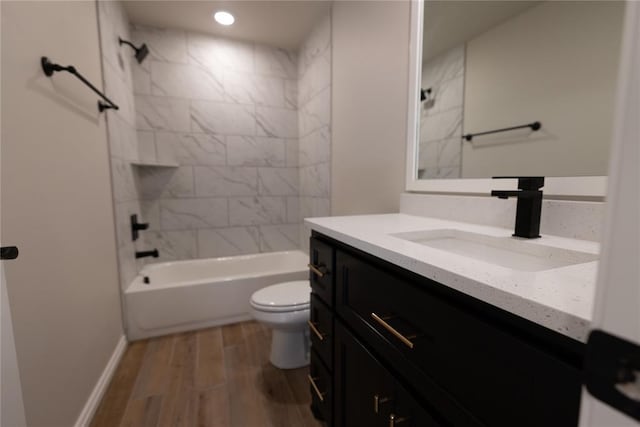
(491, 65)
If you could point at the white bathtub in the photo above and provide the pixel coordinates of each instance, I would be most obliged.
(188, 295)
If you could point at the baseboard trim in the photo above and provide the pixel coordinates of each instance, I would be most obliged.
(101, 386)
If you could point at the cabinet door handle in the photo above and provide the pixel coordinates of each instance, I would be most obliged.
(316, 269)
(315, 387)
(394, 420)
(377, 401)
(315, 330)
(405, 340)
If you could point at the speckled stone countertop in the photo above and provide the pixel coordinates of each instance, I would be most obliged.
(560, 298)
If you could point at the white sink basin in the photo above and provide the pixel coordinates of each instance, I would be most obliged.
(514, 253)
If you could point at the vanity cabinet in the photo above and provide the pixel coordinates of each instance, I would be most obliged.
(321, 325)
(430, 355)
(321, 328)
(366, 394)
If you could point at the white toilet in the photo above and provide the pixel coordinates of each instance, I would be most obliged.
(284, 307)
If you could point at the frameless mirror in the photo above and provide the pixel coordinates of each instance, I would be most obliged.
(487, 66)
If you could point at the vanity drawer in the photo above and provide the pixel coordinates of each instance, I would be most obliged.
(321, 263)
(321, 387)
(496, 376)
(321, 330)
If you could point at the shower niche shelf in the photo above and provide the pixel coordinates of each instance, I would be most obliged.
(144, 164)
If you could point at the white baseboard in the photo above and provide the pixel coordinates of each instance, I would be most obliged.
(101, 386)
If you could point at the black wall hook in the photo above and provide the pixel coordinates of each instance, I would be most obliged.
(49, 68)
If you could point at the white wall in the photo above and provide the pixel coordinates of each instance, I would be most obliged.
(556, 63)
(56, 206)
(369, 105)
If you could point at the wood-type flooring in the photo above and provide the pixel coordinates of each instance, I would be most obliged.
(217, 377)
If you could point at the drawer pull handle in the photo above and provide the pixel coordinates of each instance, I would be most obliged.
(393, 420)
(317, 270)
(315, 330)
(405, 340)
(377, 401)
(315, 387)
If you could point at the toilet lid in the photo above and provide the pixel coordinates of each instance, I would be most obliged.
(286, 296)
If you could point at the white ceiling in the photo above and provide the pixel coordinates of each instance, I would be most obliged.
(282, 24)
(449, 23)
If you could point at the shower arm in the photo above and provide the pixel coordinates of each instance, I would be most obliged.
(128, 43)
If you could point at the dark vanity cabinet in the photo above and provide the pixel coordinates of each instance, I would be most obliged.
(366, 393)
(390, 347)
(321, 326)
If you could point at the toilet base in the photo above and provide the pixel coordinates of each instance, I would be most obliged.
(289, 349)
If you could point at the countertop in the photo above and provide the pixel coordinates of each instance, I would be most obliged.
(560, 299)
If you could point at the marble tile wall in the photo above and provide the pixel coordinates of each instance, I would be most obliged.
(440, 149)
(118, 63)
(227, 113)
(314, 124)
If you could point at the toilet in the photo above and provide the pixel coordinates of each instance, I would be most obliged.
(284, 308)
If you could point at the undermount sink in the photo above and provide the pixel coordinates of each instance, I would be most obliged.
(509, 252)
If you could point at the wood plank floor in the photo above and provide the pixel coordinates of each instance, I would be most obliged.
(218, 377)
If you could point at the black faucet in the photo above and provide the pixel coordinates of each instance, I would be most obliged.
(529, 208)
(143, 254)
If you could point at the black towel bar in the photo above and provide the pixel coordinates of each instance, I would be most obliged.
(534, 127)
(49, 68)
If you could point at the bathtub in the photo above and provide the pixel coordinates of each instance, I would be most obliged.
(189, 295)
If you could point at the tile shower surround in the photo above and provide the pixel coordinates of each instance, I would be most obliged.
(227, 112)
(314, 125)
(440, 150)
(117, 65)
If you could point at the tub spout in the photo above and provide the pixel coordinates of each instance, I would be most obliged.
(143, 254)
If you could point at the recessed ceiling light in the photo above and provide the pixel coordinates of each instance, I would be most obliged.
(224, 18)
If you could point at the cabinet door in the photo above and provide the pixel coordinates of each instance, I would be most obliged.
(366, 394)
(500, 379)
(358, 379)
(406, 411)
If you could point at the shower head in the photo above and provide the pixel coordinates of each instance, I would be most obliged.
(141, 52)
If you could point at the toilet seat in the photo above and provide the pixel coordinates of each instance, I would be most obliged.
(283, 297)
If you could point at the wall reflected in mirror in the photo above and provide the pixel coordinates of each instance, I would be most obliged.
(490, 65)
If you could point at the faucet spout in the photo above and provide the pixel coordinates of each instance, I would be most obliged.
(505, 194)
(143, 254)
(529, 207)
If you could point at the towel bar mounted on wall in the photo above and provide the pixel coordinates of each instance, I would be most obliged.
(534, 127)
(49, 68)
